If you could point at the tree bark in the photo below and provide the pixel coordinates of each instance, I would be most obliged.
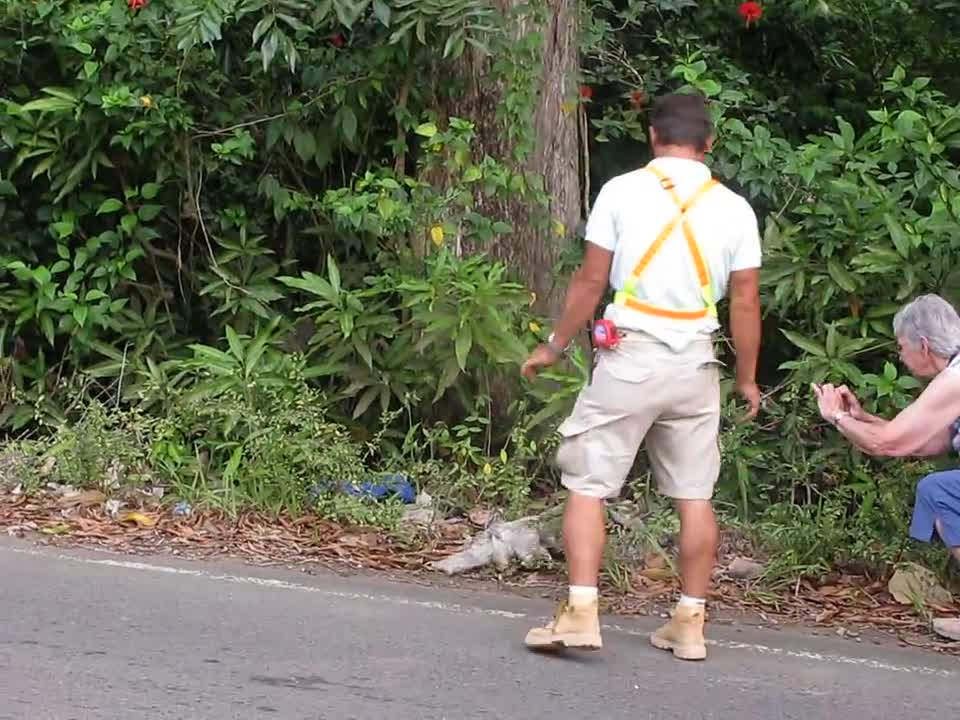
(531, 252)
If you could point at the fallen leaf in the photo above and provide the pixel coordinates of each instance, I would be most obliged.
(58, 529)
(914, 583)
(657, 573)
(88, 498)
(140, 519)
(357, 541)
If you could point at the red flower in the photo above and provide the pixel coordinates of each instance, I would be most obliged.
(337, 40)
(586, 92)
(136, 4)
(637, 98)
(750, 11)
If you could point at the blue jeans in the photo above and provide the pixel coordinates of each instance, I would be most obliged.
(938, 500)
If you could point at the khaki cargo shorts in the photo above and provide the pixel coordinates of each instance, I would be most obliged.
(644, 393)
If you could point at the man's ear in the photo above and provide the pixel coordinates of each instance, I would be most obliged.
(653, 137)
(708, 146)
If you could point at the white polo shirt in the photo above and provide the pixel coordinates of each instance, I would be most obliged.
(631, 210)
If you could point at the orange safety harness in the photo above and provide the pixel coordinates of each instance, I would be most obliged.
(627, 298)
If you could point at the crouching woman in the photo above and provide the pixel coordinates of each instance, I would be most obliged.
(928, 337)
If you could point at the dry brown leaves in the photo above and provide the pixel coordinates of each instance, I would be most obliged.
(253, 537)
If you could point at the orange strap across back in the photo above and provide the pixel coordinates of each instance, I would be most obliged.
(627, 298)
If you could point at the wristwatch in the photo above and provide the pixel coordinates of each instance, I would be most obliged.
(553, 345)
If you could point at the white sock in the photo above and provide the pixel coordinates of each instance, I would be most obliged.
(582, 595)
(687, 601)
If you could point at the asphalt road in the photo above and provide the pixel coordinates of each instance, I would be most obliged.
(95, 636)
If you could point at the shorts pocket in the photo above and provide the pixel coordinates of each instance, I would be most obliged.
(623, 367)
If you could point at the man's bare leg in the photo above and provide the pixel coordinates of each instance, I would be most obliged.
(699, 539)
(577, 624)
(584, 534)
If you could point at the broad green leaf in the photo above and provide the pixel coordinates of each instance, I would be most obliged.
(831, 344)
(449, 375)
(269, 47)
(382, 12)
(840, 275)
(348, 123)
(50, 104)
(427, 130)
(462, 346)
(710, 88)
(305, 144)
(369, 395)
(80, 314)
(333, 272)
(236, 345)
(266, 22)
(148, 213)
(215, 357)
(898, 235)
(259, 345)
(109, 206)
(889, 371)
(909, 124)
(804, 343)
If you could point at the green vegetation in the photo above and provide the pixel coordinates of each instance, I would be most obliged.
(254, 249)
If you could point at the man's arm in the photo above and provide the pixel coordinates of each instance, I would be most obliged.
(871, 436)
(587, 287)
(919, 430)
(745, 330)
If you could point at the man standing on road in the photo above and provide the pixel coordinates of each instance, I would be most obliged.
(671, 241)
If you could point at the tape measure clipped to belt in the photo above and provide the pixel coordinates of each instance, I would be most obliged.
(605, 334)
(626, 297)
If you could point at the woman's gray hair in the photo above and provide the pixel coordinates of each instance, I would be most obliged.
(933, 318)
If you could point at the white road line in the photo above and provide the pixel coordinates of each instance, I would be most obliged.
(461, 609)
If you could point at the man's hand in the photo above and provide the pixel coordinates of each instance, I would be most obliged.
(541, 357)
(850, 402)
(830, 402)
(750, 392)
(586, 289)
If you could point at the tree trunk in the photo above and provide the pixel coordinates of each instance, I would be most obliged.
(532, 250)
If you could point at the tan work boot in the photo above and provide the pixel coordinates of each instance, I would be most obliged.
(572, 627)
(683, 634)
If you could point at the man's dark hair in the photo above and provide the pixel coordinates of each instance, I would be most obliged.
(681, 119)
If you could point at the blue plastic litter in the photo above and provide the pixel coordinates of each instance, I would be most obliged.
(393, 484)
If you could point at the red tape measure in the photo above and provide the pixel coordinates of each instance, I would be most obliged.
(605, 334)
